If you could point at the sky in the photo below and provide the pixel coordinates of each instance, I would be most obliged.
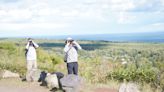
(79, 17)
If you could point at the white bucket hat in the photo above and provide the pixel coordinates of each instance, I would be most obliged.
(69, 39)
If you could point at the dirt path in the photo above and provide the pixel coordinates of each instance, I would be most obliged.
(104, 90)
(16, 85)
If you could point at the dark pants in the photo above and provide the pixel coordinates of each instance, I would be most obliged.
(72, 68)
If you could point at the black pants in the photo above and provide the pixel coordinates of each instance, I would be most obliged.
(72, 68)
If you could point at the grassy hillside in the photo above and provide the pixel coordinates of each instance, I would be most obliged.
(100, 62)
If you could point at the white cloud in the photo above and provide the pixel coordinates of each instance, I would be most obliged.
(153, 27)
(18, 26)
(3, 13)
(125, 18)
(69, 10)
(122, 5)
(162, 2)
(52, 14)
(14, 15)
(158, 25)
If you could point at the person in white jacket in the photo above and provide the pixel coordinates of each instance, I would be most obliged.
(71, 55)
(31, 57)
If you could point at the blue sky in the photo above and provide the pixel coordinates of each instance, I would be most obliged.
(72, 17)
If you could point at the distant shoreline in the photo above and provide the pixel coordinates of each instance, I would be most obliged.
(124, 37)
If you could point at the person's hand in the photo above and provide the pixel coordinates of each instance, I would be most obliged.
(74, 42)
(30, 40)
(66, 42)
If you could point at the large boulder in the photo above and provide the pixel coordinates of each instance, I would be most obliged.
(52, 81)
(33, 75)
(128, 87)
(8, 74)
(71, 83)
(122, 87)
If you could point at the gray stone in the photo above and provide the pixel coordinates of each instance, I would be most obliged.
(33, 75)
(69, 89)
(8, 74)
(128, 87)
(52, 81)
(122, 87)
(71, 83)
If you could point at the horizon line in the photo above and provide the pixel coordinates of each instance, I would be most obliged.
(19, 36)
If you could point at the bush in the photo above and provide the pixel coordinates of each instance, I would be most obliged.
(9, 47)
(140, 75)
(21, 69)
(45, 57)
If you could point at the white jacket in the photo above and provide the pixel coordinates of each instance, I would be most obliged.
(31, 53)
(71, 54)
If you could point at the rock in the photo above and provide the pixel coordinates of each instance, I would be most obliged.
(52, 81)
(129, 87)
(122, 88)
(33, 75)
(71, 83)
(59, 76)
(8, 74)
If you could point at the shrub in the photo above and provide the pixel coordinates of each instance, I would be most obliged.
(140, 75)
(8, 46)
